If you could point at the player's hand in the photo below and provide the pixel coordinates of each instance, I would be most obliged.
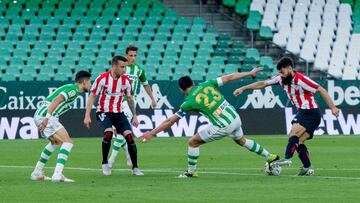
(238, 91)
(335, 111)
(146, 136)
(255, 70)
(135, 121)
(153, 103)
(87, 121)
(43, 125)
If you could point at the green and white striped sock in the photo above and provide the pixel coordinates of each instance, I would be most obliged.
(193, 155)
(62, 157)
(119, 143)
(45, 156)
(255, 147)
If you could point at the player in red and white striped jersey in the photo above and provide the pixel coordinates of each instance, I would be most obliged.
(300, 90)
(111, 87)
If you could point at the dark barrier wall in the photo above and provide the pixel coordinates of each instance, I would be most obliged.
(262, 112)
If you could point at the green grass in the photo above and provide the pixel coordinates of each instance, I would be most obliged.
(227, 173)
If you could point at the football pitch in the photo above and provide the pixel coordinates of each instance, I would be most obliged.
(227, 173)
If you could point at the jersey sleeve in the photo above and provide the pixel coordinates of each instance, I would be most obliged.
(97, 85)
(308, 84)
(68, 93)
(216, 82)
(129, 89)
(183, 109)
(274, 80)
(142, 78)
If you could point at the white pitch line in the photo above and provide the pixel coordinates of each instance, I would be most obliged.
(173, 170)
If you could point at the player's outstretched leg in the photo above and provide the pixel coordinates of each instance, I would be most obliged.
(106, 144)
(119, 142)
(38, 173)
(133, 154)
(252, 146)
(64, 152)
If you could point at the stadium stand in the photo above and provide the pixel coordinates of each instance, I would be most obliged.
(51, 40)
(326, 33)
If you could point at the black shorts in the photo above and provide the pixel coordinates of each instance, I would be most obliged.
(119, 120)
(309, 119)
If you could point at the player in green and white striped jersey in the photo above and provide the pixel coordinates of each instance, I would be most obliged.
(137, 76)
(47, 119)
(224, 119)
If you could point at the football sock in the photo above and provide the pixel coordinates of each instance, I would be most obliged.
(304, 155)
(106, 143)
(132, 150)
(255, 147)
(291, 147)
(64, 152)
(45, 156)
(118, 143)
(193, 155)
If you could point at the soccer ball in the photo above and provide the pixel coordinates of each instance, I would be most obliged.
(272, 171)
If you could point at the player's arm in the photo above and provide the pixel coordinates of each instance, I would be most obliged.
(55, 103)
(325, 95)
(149, 92)
(252, 86)
(236, 76)
(89, 104)
(131, 103)
(164, 125)
(147, 88)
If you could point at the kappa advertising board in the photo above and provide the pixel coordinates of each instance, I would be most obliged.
(265, 111)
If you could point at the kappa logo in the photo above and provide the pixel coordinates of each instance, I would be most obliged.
(258, 100)
(144, 102)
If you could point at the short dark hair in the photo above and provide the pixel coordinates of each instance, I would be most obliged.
(82, 75)
(185, 82)
(131, 48)
(115, 59)
(285, 62)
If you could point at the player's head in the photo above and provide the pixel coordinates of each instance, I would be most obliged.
(184, 83)
(131, 53)
(285, 66)
(83, 79)
(118, 64)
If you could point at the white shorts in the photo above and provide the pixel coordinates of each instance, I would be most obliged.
(213, 132)
(52, 127)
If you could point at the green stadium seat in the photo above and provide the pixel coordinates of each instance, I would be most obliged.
(218, 60)
(234, 60)
(266, 33)
(169, 20)
(212, 75)
(224, 36)
(246, 67)
(262, 75)
(43, 77)
(231, 68)
(242, 7)
(51, 61)
(8, 77)
(252, 24)
(252, 56)
(162, 76)
(229, 3)
(45, 12)
(13, 70)
(29, 71)
(267, 63)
